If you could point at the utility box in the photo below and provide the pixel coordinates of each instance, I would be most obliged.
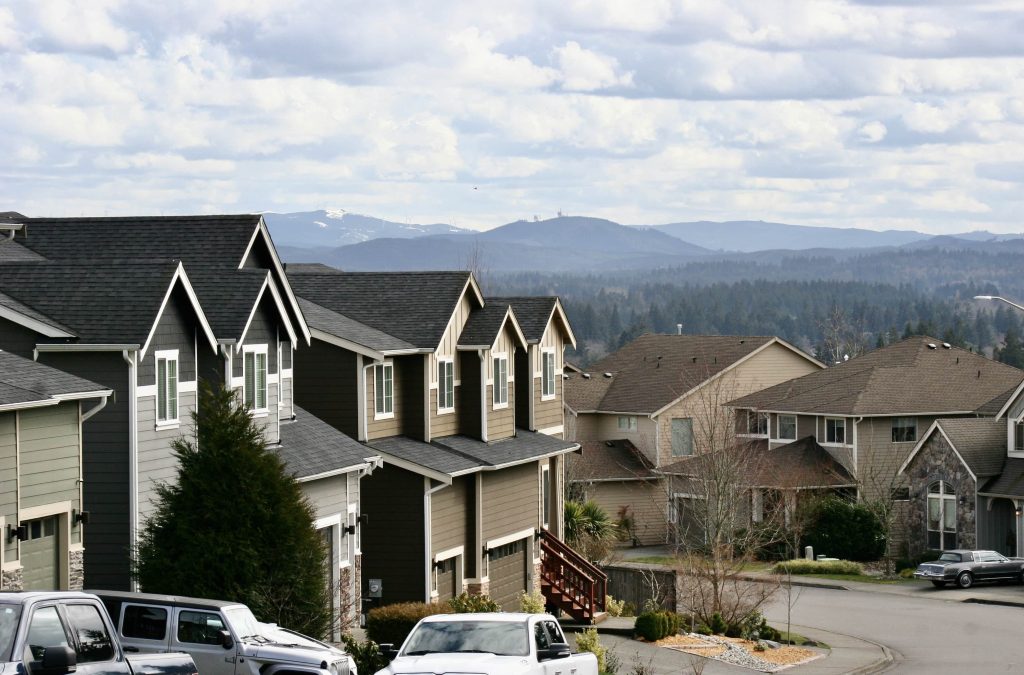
(376, 588)
(808, 553)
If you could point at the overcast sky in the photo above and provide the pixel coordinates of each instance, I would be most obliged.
(872, 114)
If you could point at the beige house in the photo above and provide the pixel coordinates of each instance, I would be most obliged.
(665, 394)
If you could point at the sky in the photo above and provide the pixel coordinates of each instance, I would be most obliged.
(871, 114)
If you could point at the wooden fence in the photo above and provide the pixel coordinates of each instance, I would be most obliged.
(636, 583)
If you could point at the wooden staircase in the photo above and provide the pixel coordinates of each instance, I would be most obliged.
(570, 582)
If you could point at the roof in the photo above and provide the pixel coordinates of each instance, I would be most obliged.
(609, 460)
(12, 251)
(484, 324)
(24, 382)
(322, 319)
(457, 455)
(311, 447)
(981, 441)
(414, 307)
(653, 370)
(800, 464)
(907, 378)
(1009, 483)
(535, 312)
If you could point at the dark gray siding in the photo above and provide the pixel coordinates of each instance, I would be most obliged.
(9, 480)
(105, 468)
(392, 542)
(17, 339)
(176, 330)
(524, 380)
(468, 396)
(211, 365)
(325, 384)
(410, 369)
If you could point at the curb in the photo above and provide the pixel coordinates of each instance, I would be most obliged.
(795, 582)
(884, 662)
(994, 601)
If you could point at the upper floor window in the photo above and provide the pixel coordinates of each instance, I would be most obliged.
(445, 385)
(835, 430)
(787, 428)
(682, 437)
(255, 366)
(1018, 437)
(500, 376)
(384, 390)
(167, 386)
(545, 495)
(627, 422)
(548, 371)
(757, 423)
(904, 429)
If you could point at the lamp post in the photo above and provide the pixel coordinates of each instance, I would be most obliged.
(1000, 299)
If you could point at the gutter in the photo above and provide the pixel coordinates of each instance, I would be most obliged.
(58, 347)
(96, 408)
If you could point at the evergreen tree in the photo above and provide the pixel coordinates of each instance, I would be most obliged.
(235, 525)
(1012, 352)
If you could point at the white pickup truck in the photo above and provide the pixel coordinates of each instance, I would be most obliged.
(489, 644)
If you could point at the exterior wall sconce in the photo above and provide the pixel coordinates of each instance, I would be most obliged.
(351, 529)
(1017, 511)
(20, 532)
(79, 517)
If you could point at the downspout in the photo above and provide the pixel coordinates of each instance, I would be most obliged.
(133, 460)
(428, 563)
(483, 396)
(95, 409)
(531, 353)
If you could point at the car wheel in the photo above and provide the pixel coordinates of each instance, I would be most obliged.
(1020, 577)
(965, 580)
(939, 584)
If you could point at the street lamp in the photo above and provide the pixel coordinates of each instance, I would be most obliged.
(1000, 299)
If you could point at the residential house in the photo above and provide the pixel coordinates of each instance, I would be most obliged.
(424, 370)
(42, 412)
(665, 395)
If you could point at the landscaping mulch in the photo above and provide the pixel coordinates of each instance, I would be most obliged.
(740, 652)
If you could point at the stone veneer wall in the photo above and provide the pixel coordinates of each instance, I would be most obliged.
(76, 570)
(11, 580)
(934, 462)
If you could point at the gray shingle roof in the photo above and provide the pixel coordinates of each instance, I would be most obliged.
(484, 324)
(980, 441)
(412, 306)
(340, 325)
(21, 308)
(310, 447)
(907, 377)
(12, 251)
(653, 370)
(1009, 483)
(226, 295)
(456, 455)
(25, 381)
(426, 455)
(533, 313)
(609, 460)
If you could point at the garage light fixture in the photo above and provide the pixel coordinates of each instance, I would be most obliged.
(20, 532)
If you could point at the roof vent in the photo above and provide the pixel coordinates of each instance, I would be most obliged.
(946, 345)
(931, 345)
(608, 375)
(610, 444)
(695, 359)
(565, 377)
(586, 376)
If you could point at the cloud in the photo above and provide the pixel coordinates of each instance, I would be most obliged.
(872, 132)
(585, 70)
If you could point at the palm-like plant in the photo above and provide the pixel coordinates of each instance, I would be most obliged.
(588, 528)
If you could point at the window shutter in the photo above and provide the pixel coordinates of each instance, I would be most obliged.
(161, 389)
(250, 379)
(172, 389)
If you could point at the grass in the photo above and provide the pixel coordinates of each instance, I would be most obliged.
(654, 560)
(861, 578)
(799, 640)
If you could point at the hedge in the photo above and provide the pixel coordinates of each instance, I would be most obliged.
(391, 624)
(818, 567)
(653, 626)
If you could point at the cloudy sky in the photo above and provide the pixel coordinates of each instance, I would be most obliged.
(871, 114)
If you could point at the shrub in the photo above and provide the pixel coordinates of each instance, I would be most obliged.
(531, 603)
(717, 625)
(653, 626)
(818, 567)
(844, 529)
(755, 624)
(466, 603)
(366, 655)
(589, 641)
(614, 607)
(911, 562)
(393, 623)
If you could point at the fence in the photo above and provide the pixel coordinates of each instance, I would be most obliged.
(636, 583)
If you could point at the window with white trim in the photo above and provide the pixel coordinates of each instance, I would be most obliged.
(941, 516)
(627, 423)
(545, 495)
(499, 373)
(904, 429)
(548, 375)
(1018, 437)
(255, 385)
(445, 385)
(835, 430)
(384, 390)
(786, 428)
(167, 386)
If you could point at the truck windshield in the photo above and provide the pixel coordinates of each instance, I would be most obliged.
(9, 616)
(502, 638)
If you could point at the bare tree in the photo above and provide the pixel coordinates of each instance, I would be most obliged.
(475, 261)
(843, 337)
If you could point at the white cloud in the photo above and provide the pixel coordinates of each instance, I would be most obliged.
(585, 70)
(872, 132)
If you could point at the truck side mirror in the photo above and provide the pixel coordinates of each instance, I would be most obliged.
(225, 640)
(388, 650)
(59, 660)
(555, 650)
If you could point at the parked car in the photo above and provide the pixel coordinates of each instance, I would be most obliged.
(57, 633)
(223, 637)
(965, 568)
(490, 644)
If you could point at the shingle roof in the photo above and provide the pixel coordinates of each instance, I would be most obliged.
(456, 455)
(226, 295)
(12, 251)
(310, 447)
(906, 377)
(21, 308)
(25, 381)
(114, 303)
(324, 319)
(1009, 483)
(533, 313)
(426, 455)
(653, 370)
(981, 441)
(484, 324)
(412, 306)
(609, 460)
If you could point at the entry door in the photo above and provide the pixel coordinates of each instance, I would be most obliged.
(39, 555)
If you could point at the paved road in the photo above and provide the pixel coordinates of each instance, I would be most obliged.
(928, 630)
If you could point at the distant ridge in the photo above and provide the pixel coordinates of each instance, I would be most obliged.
(336, 227)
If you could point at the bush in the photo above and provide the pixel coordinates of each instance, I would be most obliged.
(911, 562)
(755, 624)
(653, 626)
(393, 623)
(818, 567)
(366, 655)
(589, 641)
(614, 607)
(471, 604)
(531, 603)
(844, 529)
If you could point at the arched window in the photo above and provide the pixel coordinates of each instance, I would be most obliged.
(941, 516)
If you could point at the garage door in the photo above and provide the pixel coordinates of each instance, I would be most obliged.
(446, 579)
(39, 555)
(507, 573)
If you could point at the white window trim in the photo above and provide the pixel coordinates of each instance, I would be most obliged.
(1011, 441)
(495, 405)
(845, 435)
(778, 426)
(256, 349)
(386, 365)
(167, 355)
(440, 386)
(554, 374)
(545, 474)
(632, 423)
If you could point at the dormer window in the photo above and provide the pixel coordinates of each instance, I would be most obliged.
(167, 387)
(548, 375)
(500, 377)
(445, 385)
(1018, 437)
(255, 386)
(384, 390)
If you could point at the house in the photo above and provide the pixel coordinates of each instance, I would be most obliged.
(42, 412)
(665, 394)
(426, 371)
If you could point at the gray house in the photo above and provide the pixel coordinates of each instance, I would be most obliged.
(42, 411)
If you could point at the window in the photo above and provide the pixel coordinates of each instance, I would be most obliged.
(167, 386)
(545, 495)
(941, 516)
(548, 370)
(627, 423)
(682, 437)
(144, 623)
(835, 430)
(1018, 437)
(255, 366)
(757, 423)
(904, 429)
(445, 385)
(46, 630)
(384, 390)
(199, 628)
(93, 640)
(787, 428)
(500, 375)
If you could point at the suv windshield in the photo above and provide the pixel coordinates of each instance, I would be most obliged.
(243, 622)
(9, 616)
(491, 637)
